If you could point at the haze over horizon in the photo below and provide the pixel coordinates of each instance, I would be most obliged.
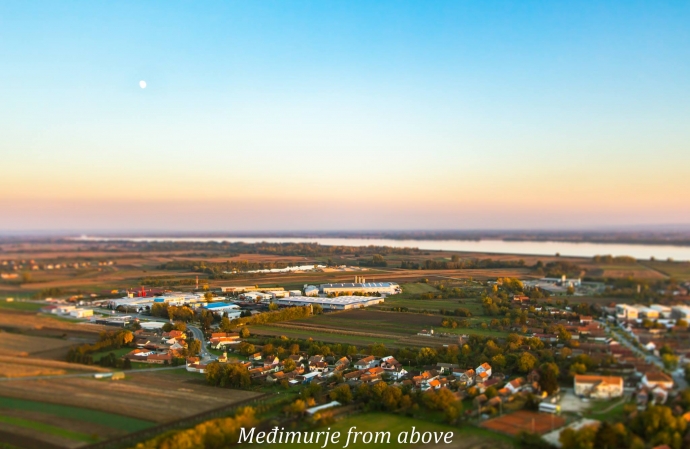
(270, 116)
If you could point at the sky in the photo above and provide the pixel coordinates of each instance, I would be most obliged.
(335, 115)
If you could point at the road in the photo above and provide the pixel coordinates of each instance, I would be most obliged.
(619, 336)
(206, 356)
(60, 376)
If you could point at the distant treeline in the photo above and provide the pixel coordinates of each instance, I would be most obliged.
(274, 249)
(611, 259)
(106, 341)
(217, 268)
(461, 264)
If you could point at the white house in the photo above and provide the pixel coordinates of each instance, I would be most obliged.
(599, 387)
(657, 378)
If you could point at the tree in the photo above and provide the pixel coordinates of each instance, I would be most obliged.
(167, 327)
(194, 347)
(378, 350)
(268, 349)
(426, 356)
(208, 296)
(244, 332)
(548, 377)
(273, 306)
(289, 365)
(526, 362)
(247, 348)
(296, 408)
(578, 439)
(342, 394)
(180, 326)
(498, 361)
(294, 349)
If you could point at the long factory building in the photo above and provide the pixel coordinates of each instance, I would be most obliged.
(337, 303)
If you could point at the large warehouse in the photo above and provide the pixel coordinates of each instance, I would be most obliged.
(382, 288)
(337, 303)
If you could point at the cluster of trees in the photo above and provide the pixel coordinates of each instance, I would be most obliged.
(451, 323)
(177, 313)
(557, 268)
(459, 264)
(289, 313)
(218, 433)
(611, 259)
(106, 341)
(166, 281)
(381, 396)
(233, 249)
(653, 427)
(111, 360)
(228, 375)
(376, 260)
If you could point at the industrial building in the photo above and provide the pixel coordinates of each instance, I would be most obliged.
(233, 310)
(360, 286)
(337, 303)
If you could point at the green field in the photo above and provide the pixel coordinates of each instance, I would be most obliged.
(323, 336)
(417, 288)
(46, 428)
(25, 306)
(118, 353)
(111, 420)
(396, 424)
(677, 270)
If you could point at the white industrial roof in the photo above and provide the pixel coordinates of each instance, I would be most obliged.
(343, 300)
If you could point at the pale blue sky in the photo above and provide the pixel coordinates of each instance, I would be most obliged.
(422, 114)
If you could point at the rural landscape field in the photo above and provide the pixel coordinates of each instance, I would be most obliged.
(82, 366)
(344, 224)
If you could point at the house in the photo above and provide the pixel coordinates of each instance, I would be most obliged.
(467, 378)
(159, 359)
(520, 298)
(271, 361)
(425, 380)
(308, 377)
(483, 386)
(321, 367)
(297, 358)
(255, 356)
(599, 387)
(196, 367)
(516, 385)
(352, 376)
(393, 368)
(484, 368)
(657, 378)
(366, 362)
(342, 364)
(317, 358)
(174, 334)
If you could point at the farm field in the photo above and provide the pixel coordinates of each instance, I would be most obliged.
(11, 319)
(151, 396)
(25, 345)
(677, 270)
(28, 423)
(366, 326)
(524, 420)
(463, 438)
(21, 305)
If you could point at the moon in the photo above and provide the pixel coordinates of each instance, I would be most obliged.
(142, 84)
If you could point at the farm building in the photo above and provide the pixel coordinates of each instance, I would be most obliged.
(338, 303)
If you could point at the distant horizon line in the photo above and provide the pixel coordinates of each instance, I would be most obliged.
(358, 233)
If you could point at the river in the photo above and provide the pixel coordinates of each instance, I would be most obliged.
(549, 248)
